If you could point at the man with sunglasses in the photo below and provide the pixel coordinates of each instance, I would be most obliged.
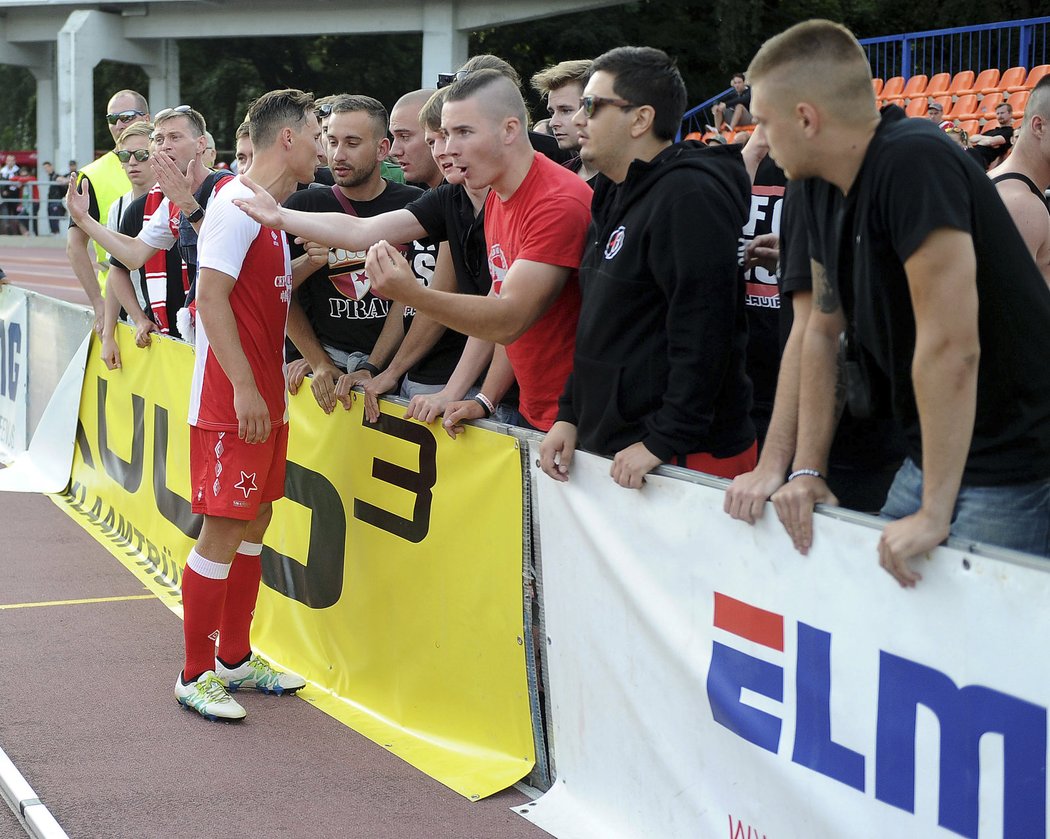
(658, 372)
(106, 181)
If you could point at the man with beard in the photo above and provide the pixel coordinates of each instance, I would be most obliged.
(335, 321)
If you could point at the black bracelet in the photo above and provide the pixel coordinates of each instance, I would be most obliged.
(485, 405)
(368, 367)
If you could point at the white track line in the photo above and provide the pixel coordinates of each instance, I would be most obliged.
(31, 812)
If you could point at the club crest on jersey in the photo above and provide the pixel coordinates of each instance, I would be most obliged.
(612, 247)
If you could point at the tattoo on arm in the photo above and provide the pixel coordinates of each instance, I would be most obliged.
(825, 295)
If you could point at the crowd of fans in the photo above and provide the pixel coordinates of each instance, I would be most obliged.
(784, 313)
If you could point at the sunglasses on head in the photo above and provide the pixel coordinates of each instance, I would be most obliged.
(591, 104)
(445, 79)
(123, 116)
(141, 155)
(167, 112)
(323, 110)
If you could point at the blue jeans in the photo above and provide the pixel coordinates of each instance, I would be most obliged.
(1015, 516)
(503, 413)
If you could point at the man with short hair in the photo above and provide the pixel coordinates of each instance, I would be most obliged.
(337, 324)
(1024, 177)
(944, 311)
(238, 413)
(409, 147)
(243, 150)
(662, 328)
(562, 85)
(536, 216)
(106, 182)
(935, 113)
(738, 103)
(988, 147)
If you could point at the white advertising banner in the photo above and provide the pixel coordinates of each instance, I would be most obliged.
(708, 681)
(14, 329)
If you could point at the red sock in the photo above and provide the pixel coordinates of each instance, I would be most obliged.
(242, 590)
(203, 593)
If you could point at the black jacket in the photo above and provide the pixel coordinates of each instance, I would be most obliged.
(662, 331)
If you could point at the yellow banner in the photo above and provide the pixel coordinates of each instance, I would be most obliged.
(392, 569)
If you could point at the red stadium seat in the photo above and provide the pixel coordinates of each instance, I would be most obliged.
(938, 84)
(876, 85)
(986, 79)
(916, 86)
(963, 80)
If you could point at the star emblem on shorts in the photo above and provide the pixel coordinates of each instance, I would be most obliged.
(246, 484)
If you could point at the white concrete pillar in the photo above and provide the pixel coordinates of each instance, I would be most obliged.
(85, 39)
(164, 78)
(444, 46)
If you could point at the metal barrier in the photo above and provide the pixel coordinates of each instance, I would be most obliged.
(27, 207)
(1014, 43)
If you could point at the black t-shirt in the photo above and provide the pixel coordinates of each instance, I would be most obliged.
(447, 214)
(735, 99)
(329, 296)
(987, 155)
(130, 225)
(914, 180)
(869, 444)
(761, 295)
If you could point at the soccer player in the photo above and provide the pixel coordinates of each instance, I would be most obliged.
(238, 412)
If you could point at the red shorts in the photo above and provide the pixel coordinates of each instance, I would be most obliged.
(723, 467)
(230, 478)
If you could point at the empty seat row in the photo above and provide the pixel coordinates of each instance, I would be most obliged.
(964, 83)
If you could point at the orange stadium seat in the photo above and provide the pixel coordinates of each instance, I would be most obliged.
(970, 126)
(985, 110)
(876, 85)
(1012, 79)
(694, 135)
(899, 102)
(1017, 101)
(963, 105)
(916, 107)
(916, 86)
(938, 84)
(1034, 76)
(963, 79)
(986, 79)
(893, 88)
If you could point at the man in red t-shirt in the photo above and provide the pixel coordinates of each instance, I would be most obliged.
(238, 412)
(536, 218)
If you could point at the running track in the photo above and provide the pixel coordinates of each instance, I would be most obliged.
(87, 714)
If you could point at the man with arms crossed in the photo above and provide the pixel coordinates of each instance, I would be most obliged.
(1023, 179)
(238, 412)
(941, 295)
(658, 374)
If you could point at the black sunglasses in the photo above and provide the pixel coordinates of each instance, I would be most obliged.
(141, 155)
(323, 110)
(123, 116)
(445, 79)
(591, 104)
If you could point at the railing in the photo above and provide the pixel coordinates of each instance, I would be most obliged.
(1014, 43)
(26, 209)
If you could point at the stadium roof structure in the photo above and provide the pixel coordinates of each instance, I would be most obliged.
(61, 43)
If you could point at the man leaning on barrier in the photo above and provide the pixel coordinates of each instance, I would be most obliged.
(658, 372)
(940, 294)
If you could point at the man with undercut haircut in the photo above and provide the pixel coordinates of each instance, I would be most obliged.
(562, 85)
(104, 181)
(1024, 178)
(945, 314)
(336, 322)
(238, 413)
(658, 373)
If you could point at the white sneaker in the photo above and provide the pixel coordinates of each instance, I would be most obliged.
(258, 674)
(209, 698)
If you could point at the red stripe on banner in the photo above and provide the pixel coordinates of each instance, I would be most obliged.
(767, 190)
(747, 621)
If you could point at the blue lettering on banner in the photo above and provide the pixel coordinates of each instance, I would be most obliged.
(10, 351)
(964, 715)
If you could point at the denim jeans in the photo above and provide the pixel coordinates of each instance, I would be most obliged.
(503, 413)
(1015, 516)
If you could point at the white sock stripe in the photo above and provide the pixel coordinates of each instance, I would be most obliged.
(207, 568)
(250, 548)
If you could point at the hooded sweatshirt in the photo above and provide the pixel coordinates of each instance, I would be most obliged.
(662, 332)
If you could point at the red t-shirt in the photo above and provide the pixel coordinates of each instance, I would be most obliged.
(545, 220)
(258, 258)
